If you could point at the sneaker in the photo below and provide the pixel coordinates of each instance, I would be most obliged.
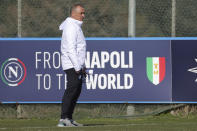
(65, 123)
(61, 124)
(75, 123)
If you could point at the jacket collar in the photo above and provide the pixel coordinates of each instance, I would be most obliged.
(75, 21)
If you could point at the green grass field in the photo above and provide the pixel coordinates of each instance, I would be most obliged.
(153, 123)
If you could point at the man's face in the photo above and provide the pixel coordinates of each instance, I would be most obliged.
(79, 13)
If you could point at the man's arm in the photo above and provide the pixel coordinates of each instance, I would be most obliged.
(69, 46)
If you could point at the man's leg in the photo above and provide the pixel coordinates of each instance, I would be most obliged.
(69, 98)
(75, 98)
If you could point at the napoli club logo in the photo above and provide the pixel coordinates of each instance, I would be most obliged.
(13, 72)
(155, 69)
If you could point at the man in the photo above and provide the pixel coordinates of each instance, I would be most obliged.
(73, 52)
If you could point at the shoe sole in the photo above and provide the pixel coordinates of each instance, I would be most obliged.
(61, 126)
(65, 126)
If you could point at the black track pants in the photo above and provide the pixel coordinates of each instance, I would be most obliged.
(71, 94)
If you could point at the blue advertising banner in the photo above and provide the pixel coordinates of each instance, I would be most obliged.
(133, 71)
(184, 66)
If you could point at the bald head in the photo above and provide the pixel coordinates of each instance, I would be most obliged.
(77, 12)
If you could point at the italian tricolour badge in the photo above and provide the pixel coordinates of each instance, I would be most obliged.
(155, 69)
